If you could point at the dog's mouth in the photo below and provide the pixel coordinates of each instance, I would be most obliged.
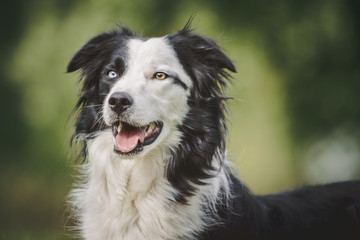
(129, 139)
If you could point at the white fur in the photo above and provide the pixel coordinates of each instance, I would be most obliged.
(123, 197)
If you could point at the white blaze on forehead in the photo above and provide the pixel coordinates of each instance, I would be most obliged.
(155, 55)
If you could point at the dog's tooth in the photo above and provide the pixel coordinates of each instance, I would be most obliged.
(120, 126)
(150, 128)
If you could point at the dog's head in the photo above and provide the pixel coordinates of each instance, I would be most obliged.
(158, 93)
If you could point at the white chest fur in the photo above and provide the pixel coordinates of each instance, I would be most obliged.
(131, 199)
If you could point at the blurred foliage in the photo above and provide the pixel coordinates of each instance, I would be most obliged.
(297, 89)
(316, 46)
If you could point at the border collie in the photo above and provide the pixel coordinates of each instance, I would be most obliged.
(151, 117)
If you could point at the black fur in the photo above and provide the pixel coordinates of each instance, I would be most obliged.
(329, 211)
(105, 51)
(321, 212)
(204, 126)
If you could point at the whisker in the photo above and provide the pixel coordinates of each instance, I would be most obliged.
(94, 105)
(99, 118)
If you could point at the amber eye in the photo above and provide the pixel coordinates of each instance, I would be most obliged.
(160, 75)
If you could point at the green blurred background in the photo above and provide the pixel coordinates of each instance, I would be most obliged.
(295, 118)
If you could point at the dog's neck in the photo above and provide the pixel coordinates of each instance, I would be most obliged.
(123, 179)
(132, 199)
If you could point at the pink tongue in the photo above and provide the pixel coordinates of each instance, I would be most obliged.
(127, 139)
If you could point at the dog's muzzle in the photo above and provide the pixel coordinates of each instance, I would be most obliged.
(130, 137)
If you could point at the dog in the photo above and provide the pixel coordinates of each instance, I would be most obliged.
(151, 116)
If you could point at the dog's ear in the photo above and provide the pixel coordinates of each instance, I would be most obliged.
(207, 52)
(203, 60)
(88, 52)
(99, 48)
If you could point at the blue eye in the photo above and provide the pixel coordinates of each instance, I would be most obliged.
(112, 74)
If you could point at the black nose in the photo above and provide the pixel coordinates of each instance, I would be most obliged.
(120, 102)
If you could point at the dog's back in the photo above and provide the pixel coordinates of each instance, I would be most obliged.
(329, 211)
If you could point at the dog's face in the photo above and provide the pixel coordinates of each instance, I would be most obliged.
(148, 96)
(146, 91)
(155, 93)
